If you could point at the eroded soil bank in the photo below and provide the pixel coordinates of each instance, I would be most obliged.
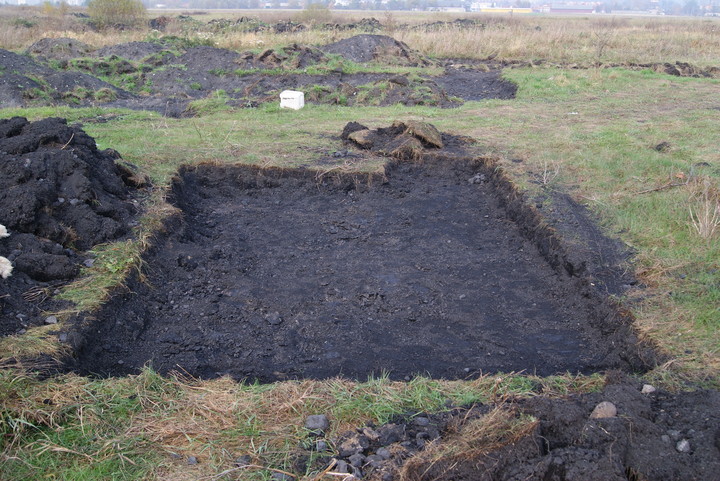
(276, 274)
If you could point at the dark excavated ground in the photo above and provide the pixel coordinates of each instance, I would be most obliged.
(275, 274)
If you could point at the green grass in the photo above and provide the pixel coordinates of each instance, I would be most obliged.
(74, 430)
(144, 426)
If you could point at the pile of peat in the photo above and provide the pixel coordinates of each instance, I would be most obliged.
(435, 266)
(59, 196)
(654, 436)
(167, 75)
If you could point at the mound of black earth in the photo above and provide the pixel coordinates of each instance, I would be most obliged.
(59, 48)
(135, 51)
(59, 196)
(26, 82)
(435, 266)
(376, 48)
(654, 435)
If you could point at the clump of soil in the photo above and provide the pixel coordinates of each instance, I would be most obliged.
(402, 140)
(134, 51)
(475, 83)
(683, 69)
(377, 48)
(277, 274)
(387, 90)
(369, 25)
(291, 57)
(59, 48)
(458, 23)
(59, 196)
(655, 436)
(32, 83)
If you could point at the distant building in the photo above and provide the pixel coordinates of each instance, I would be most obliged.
(476, 6)
(510, 10)
(583, 8)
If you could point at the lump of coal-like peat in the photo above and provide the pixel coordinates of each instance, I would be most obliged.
(59, 196)
(402, 140)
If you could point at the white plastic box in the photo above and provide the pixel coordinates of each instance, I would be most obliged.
(292, 99)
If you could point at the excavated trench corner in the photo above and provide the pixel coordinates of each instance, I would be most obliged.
(438, 267)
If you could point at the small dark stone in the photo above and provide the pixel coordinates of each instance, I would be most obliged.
(341, 466)
(243, 461)
(663, 147)
(273, 318)
(357, 460)
(317, 423)
(281, 477)
(355, 444)
(321, 446)
(421, 421)
(192, 460)
(391, 433)
(384, 453)
(399, 80)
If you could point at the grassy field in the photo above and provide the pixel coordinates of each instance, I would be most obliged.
(591, 132)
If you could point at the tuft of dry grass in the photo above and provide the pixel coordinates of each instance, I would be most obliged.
(468, 440)
(21, 351)
(705, 208)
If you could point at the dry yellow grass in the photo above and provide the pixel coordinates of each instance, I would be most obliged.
(466, 441)
(554, 39)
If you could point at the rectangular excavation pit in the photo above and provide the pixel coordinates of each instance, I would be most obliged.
(277, 274)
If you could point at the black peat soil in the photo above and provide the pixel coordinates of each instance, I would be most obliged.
(276, 274)
(655, 436)
(59, 196)
(166, 78)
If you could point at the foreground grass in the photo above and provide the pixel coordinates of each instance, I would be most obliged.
(147, 426)
(592, 132)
